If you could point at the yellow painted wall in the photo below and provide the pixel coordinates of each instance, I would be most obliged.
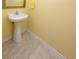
(54, 21)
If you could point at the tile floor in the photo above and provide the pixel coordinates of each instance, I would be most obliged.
(28, 48)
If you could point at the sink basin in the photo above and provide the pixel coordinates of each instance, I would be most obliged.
(17, 17)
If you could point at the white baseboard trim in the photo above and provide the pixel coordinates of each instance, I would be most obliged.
(10, 37)
(6, 39)
(53, 51)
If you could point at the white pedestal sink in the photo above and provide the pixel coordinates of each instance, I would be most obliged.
(17, 18)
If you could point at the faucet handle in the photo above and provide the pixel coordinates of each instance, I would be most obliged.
(17, 13)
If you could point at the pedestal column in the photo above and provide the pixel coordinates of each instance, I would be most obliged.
(17, 32)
